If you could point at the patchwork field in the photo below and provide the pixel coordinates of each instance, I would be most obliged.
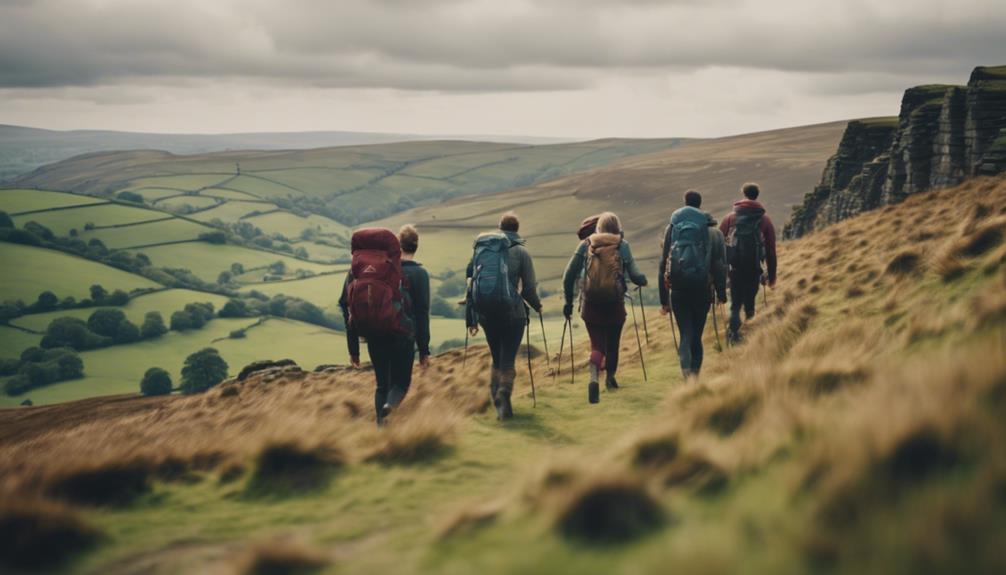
(208, 260)
(159, 231)
(40, 269)
(15, 201)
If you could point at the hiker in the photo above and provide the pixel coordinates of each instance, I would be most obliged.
(501, 286)
(692, 267)
(604, 260)
(384, 271)
(750, 239)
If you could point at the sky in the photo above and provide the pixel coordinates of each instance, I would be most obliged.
(557, 68)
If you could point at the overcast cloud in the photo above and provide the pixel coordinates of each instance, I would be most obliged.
(545, 67)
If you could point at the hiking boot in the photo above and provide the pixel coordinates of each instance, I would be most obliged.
(610, 384)
(382, 415)
(733, 337)
(593, 389)
(494, 385)
(504, 409)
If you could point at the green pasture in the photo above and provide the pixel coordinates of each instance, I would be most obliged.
(31, 270)
(166, 302)
(226, 194)
(62, 221)
(193, 201)
(13, 201)
(321, 252)
(322, 291)
(330, 179)
(118, 369)
(232, 211)
(208, 260)
(261, 187)
(291, 225)
(172, 230)
(13, 341)
(151, 195)
(184, 182)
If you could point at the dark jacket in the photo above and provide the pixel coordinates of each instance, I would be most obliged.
(717, 261)
(601, 314)
(417, 310)
(521, 274)
(767, 230)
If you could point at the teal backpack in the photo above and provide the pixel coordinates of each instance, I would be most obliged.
(688, 261)
(492, 292)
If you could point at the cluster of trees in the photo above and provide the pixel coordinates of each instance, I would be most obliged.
(247, 233)
(49, 301)
(37, 367)
(202, 370)
(256, 304)
(444, 303)
(130, 197)
(192, 316)
(105, 327)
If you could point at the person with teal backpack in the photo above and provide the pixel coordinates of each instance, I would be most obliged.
(501, 286)
(693, 269)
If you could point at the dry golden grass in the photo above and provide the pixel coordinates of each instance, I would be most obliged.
(280, 558)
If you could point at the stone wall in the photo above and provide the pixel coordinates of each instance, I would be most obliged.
(942, 135)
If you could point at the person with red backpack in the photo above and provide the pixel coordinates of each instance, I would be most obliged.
(692, 269)
(386, 300)
(603, 260)
(501, 286)
(750, 238)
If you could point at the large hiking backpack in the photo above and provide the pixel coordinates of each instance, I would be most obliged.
(688, 262)
(377, 303)
(745, 248)
(603, 279)
(491, 291)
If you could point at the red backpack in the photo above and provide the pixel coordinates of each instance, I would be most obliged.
(376, 301)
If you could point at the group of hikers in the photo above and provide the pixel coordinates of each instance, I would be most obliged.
(386, 294)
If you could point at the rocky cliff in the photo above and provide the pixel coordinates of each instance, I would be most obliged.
(943, 135)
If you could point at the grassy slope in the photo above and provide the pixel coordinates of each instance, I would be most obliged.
(871, 389)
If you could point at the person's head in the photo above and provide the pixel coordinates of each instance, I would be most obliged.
(750, 190)
(608, 223)
(409, 238)
(509, 222)
(693, 199)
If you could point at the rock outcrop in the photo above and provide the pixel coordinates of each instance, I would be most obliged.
(943, 135)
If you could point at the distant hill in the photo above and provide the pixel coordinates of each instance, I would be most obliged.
(22, 149)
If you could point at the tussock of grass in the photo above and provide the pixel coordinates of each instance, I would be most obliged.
(420, 436)
(110, 483)
(281, 558)
(905, 263)
(610, 511)
(289, 466)
(470, 520)
(38, 535)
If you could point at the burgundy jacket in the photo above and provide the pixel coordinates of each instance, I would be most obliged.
(767, 231)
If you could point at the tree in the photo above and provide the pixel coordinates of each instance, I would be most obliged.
(32, 354)
(237, 269)
(156, 381)
(127, 332)
(153, 325)
(39, 230)
(5, 220)
(118, 297)
(98, 293)
(224, 278)
(71, 332)
(46, 301)
(278, 267)
(130, 197)
(203, 370)
(440, 306)
(234, 308)
(452, 287)
(181, 321)
(301, 252)
(106, 321)
(215, 237)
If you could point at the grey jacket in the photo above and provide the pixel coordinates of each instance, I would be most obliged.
(717, 262)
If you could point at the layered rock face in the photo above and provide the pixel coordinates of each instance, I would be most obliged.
(943, 135)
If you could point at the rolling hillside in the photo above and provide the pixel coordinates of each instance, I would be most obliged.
(858, 429)
(643, 191)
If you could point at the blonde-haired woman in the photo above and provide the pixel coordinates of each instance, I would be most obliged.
(604, 261)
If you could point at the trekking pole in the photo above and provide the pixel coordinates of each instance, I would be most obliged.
(530, 372)
(572, 354)
(674, 331)
(639, 342)
(541, 320)
(716, 327)
(465, 360)
(558, 361)
(642, 312)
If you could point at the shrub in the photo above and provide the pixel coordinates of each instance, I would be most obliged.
(118, 297)
(203, 370)
(71, 332)
(127, 333)
(130, 197)
(5, 220)
(452, 287)
(156, 381)
(40, 536)
(32, 354)
(153, 325)
(289, 466)
(9, 366)
(98, 293)
(234, 308)
(224, 278)
(216, 237)
(181, 321)
(46, 301)
(106, 321)
(39, 230)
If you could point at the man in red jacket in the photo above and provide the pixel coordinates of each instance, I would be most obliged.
(750, 238)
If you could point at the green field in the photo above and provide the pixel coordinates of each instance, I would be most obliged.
(62, 221)
(208, 260)
(184, 183)
(322, 291)
(14, 201)
(291, 225)
(40, 269)
(118, 369)
(192, 201)
(141, 234)
(14, 341)
(232, 210)
(166, 302)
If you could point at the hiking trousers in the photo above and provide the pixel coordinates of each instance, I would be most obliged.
(691, 308)
(503, 336)
(605, 341)
(743, 293)
(392, 356)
